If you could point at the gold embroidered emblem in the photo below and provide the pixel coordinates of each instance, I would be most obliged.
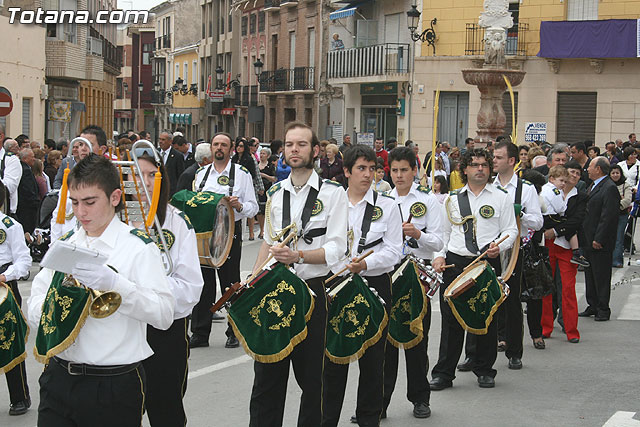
(377, 213)
(487, 211)
(223, 180)
(317, 207)
(418, 209)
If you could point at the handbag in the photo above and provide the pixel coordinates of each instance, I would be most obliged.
(536, 272)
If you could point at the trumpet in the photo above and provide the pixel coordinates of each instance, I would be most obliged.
(103, 304)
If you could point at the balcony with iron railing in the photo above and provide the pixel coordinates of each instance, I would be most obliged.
(237, 95)
(163, 42)
(245, 96)
(388, 61)
(287, 80)
(516, 40)
(253, 97)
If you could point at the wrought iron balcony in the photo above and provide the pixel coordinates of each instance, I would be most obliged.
(376, 60)
(283, 80)
(245, 95)
(253, 97)
(271, 5)
(237, 93)
(516, 40)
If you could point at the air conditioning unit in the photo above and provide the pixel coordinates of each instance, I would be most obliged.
(44, 89)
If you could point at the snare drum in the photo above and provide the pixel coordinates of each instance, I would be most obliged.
(13, 331)
(475, 295)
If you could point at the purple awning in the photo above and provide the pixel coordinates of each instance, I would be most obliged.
(612, 38)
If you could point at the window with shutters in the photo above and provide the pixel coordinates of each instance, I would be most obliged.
(582, 10)
(26, 116)
(367, 33)
(261, 21)
(252, 23)
(245, 20)
(576, 116)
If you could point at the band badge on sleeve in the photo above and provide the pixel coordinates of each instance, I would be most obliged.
(556, 191)
(487, 211)
(377, 213)
(223, 180)
(317, 207)
(169, 237)
(418, 209)
(3, 236)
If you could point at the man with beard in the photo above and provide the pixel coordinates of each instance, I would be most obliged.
(309, 202)
(222, 177)
(491, 211)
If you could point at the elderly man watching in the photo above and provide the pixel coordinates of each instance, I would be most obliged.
(10, 173)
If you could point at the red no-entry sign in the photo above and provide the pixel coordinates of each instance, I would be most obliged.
(6, 104)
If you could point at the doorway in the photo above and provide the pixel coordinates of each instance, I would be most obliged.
(453, 120)
(382, 121)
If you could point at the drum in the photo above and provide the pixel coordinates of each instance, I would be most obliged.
(213, 219)
(409, 304)
(270, 316)
(13, 331)
(475, 295)
(357, 319)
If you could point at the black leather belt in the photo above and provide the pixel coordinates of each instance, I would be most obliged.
(93, 370)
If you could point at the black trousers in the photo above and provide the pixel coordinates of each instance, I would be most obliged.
(534, 317)
(270, 381)
(598, 280)
(371, 381)
(452, 334)
(82, 400)
(229, 273)
(417, 363)
(17, 377)
(167, 373)
(510, 318)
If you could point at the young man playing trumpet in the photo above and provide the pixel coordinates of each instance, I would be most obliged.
(422, 228)
(318, 208)
(97, 378)
(477, 216)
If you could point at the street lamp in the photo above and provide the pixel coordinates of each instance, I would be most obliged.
(258, 67)
(428, 35)
(226, 86)
(140, 87)
(125, 86)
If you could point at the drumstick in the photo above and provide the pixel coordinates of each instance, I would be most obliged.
(345, 269)
(264, 264)
(448, 266)
(410, 218)
(485, 252)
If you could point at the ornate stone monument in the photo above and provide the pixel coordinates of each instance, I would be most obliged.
(496, 19)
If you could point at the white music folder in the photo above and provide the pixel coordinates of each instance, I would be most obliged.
(63, 256)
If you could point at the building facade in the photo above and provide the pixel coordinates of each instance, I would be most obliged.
(187, 108)
(579, 55)
(22, 74)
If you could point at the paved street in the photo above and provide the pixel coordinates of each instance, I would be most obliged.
(593, 383)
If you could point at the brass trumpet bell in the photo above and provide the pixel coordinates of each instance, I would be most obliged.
(103, 304)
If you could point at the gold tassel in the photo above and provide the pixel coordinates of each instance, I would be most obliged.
(62, 209)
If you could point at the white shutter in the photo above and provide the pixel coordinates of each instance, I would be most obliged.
(26, 116)
(582, 10)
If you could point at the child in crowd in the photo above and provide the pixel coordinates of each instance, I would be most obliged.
(556, 206)
(440, 188)
(379, 184)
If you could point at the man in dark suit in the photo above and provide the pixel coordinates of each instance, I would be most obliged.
(28, 196)
(203, 157)
(599, 229)
(173, 159)
(180, 144)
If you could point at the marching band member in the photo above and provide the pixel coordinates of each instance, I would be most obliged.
(167, 369)
(425, 228)
(98, 379)
(478, 214)
(15, 262)
(374, 223)
(223, 177)
(317, 207)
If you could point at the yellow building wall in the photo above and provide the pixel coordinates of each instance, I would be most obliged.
(453, 15)
(187, 101)
(98, 99)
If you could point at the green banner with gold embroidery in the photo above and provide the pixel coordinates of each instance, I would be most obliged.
(475, 307)
(408, 308)
(64, 312)
(200, 207)
(13, 331)
(270, 318)
(357, 319)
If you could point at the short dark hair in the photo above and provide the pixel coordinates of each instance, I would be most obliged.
(216, 134)
(588, 143)
(275, 145)
(98, 132)
(523, 147)
(631, 135)
(355, 152)
(595, 149)
(573, 164)
(512, 149)
(179, 140)
(99, 171)
(467, 159)
(609, 143)
(403, 153)
(627, 152)
(579, 146)
(294, 125)
(467, 141)
(50, 143)
(500, 139)
(408, 143)
(61, 144)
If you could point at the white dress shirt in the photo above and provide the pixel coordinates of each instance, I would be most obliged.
(146, 299)
(554, 199)
(387, 227)
(11, 178)
(531, 218)
(502, 222)
(185, 280)
(561, 240)
(430, 240)
(13, 249)
(333, 203)
(242, 187)
(70, 221)
(165, 155)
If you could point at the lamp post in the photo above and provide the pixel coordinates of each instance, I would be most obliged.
(140, 89)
